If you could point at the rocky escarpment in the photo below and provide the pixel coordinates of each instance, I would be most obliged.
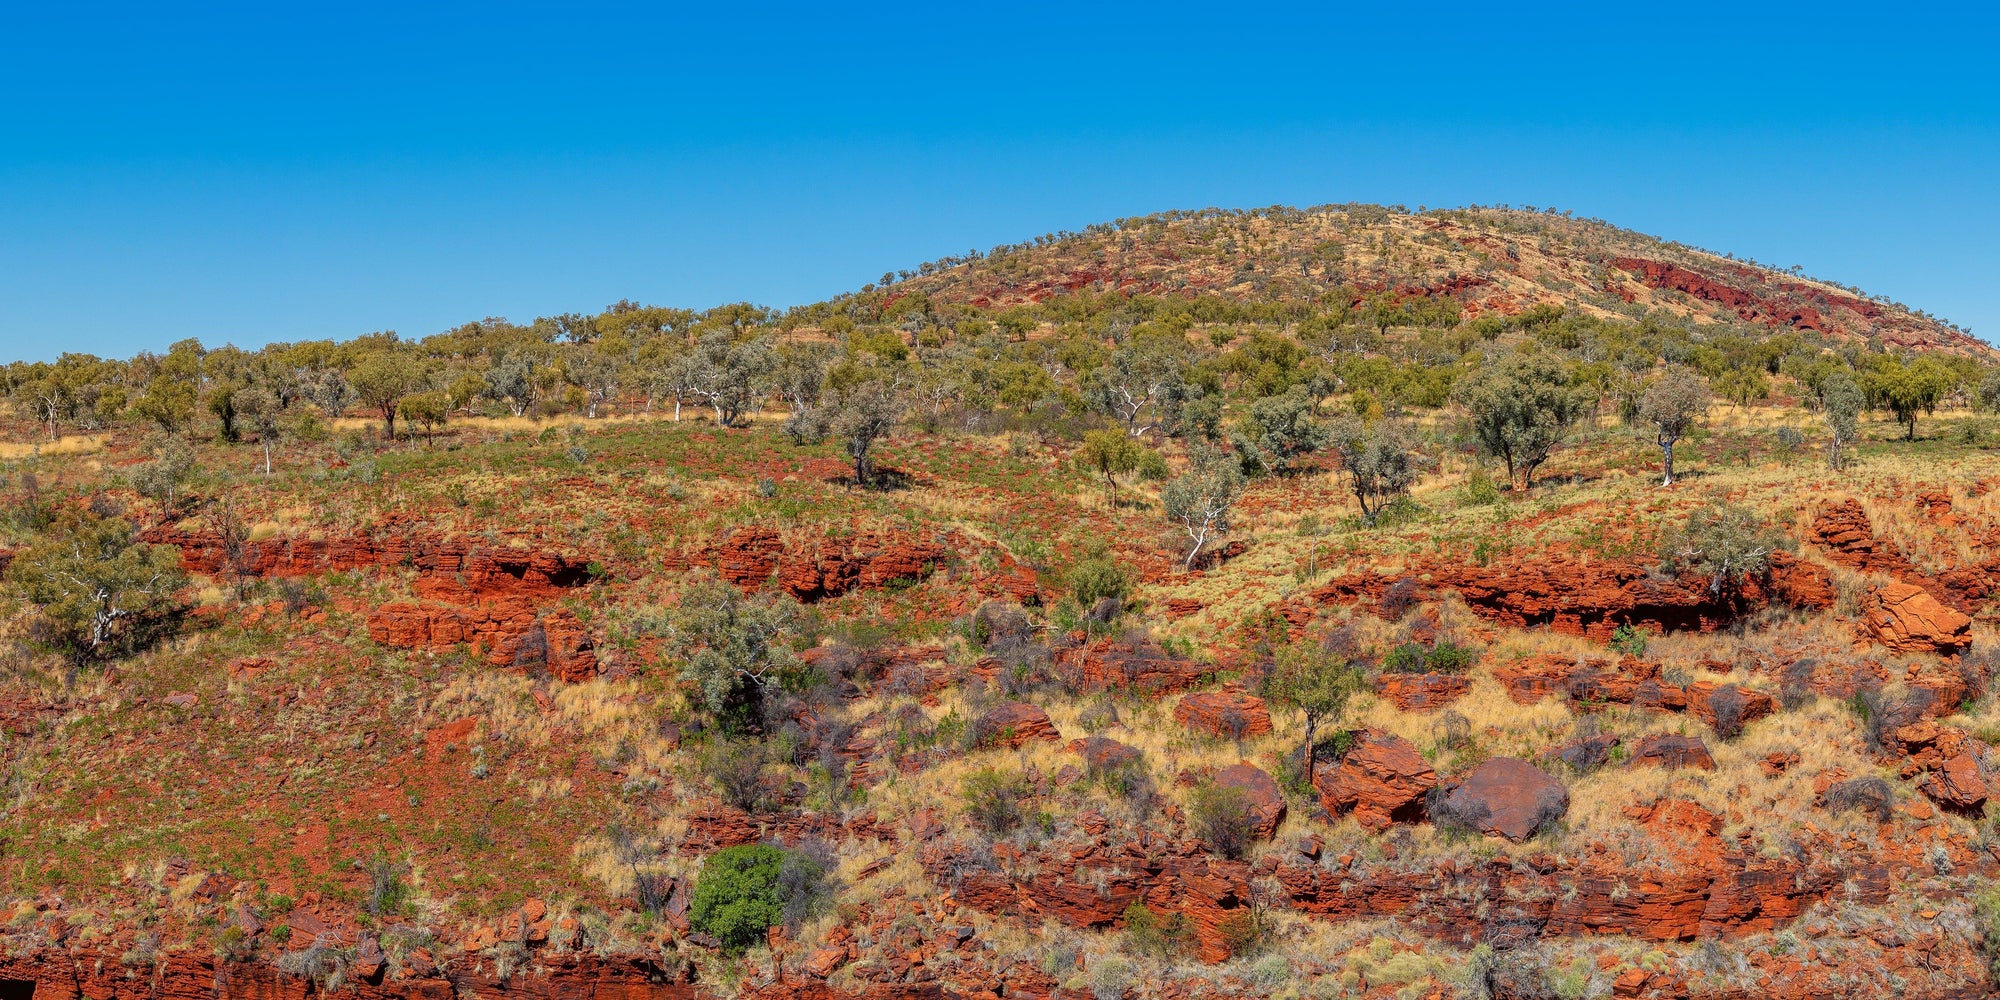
(1694, 884)
(1577, 596)
(818, 566)
(55, 973)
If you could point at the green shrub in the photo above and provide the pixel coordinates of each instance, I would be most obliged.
(1407, 658)
(736, 898)
(1095, 578)
(1445, 657)
(993, 799)
(1480, 490)
(1156, 935)
(1448, 657)
(1220, 816)
(1629, 640)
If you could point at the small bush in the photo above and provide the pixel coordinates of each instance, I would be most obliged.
(1986, 910)
(1727, 704)
(1110, 978)
(1629, 640)
(1155, 936)
(1096, 578)
(805, 883)
(993, 800)
(1882, 714)
(386, 889)
(1795, 684)
(742, 892)
(1220, 816)
(1446, 657)
(1870, 796)
(1407, 658)
(1399, 598)
(651, 890)
(1452, 730)
(736, 769)
(1242, 933)
(1452, 820)
(1480, 490)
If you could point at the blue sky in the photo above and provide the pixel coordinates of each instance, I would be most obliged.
(253, 173)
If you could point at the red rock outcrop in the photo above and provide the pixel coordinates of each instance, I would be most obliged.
(449, 569)
(1262, 794)
(1094, 883)
(1381, 780)
(1748, 305)
(1696, 885)
(1102, 753)
(504, 633)
(1118, 665)
(1227, 713)
(1013, 724)
(1670, 750)
(1908, 619)
(1954, 769)
(1591, 596)
(1507, 798)
(1421, 692)
(557, 974)
(1843, 529)
(1594, 683)
(818, 568)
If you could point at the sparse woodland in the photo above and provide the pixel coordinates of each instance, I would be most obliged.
(1340, 602)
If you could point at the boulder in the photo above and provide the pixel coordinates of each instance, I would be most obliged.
(1961, 783)
(1102, 753)
(1669, 750)
(1229, 713)
(1421, 692)
(1586, 754)
(1012, 724)
(1508, 798)
(1261, 792)
(1909, 620)
(1382, 780)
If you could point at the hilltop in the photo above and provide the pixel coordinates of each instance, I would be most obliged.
(1488, 261)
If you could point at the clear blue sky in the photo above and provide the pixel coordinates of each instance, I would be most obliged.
(257, 173)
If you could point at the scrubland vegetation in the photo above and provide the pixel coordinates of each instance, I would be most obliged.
(1342, 626)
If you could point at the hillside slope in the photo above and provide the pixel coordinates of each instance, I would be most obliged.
(1490, 260)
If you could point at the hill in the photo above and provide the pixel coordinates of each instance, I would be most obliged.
(1154, 612)
(1489, 261)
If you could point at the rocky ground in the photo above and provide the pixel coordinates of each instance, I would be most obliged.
(438, 679)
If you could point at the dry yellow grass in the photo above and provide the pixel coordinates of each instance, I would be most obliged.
(67, 444)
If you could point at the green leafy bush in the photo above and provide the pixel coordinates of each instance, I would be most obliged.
(993, 799)
(1445, 657)
(1097, 577)
(1629, 640)
(736, 896)
(1155, 935)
